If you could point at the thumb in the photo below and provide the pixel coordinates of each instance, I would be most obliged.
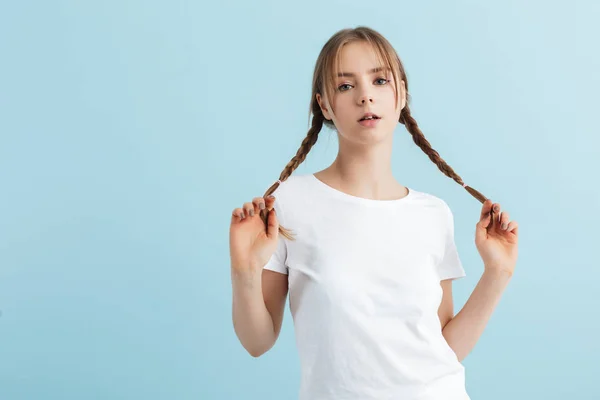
(481, 228)
(272, 224)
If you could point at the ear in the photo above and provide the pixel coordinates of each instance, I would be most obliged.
(403, 97)
(322, 104)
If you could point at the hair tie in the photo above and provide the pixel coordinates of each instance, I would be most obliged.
(464, 185)
(279, 181)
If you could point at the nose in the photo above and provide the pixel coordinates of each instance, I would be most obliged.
(364, 92)
(366, 98)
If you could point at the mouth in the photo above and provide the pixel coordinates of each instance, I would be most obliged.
(368, 117)
(369, 122)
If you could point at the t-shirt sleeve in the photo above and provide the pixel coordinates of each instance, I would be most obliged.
(278, 260)
(450, 266)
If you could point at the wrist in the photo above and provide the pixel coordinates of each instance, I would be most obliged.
(245, 270)
(498, 273)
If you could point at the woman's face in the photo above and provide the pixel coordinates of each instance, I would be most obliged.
(362, 89)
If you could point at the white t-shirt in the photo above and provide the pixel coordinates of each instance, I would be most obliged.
(364, 291)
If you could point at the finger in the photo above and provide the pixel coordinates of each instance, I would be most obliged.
(496, 221)
(504, 220)
(485, 222)
(269, 202)
(497, 213)
(259, 204)
(272, 224)
(237, 215)
(485, 209)
(513, 227)
(249, 209)
(497, 209)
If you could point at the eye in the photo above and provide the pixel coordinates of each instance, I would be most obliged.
(385, 81)
(341, 86)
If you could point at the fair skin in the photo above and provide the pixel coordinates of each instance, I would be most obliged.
(362, 168)
(363, 165)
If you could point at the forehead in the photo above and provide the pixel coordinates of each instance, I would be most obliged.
(358, 58)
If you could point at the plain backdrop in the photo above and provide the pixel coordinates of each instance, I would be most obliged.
(129, 131)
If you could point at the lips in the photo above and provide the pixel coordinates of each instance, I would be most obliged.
(364, 117)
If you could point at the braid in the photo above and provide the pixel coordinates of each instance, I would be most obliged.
(307, 144)
(411, 125)
(323, 83)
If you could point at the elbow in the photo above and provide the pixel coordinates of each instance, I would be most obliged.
(255, 353)
(460, 356)
(258, 351)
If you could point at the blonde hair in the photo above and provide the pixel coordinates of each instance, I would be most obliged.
(324, 79)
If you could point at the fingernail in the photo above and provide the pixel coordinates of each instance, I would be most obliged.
(262, 206)
(504, 226)
(252, 213)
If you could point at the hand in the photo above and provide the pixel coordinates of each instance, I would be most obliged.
(497, 246)
(251, 244)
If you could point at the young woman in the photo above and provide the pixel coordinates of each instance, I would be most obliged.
(368, 263)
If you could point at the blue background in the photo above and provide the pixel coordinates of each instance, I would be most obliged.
(129, 131)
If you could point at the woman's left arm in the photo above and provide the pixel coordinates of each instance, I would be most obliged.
(497, 244)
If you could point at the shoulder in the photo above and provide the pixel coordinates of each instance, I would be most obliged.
(431, 200)
(437, 208)
(293, 187)
(291, 192)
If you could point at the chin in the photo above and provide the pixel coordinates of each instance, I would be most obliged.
(374, 135)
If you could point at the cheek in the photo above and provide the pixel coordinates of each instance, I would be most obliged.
(343, 115)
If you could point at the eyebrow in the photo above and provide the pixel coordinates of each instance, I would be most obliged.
(371, 71)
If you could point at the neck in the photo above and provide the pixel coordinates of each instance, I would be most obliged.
(364, 173)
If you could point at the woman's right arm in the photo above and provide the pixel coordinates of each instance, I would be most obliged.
(258, 308)
(258, 294)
